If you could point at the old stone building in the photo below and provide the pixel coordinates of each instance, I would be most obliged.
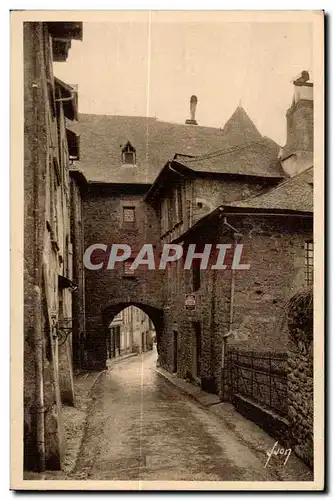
(48, 244)
(149, 182)
(154, 182)
(244, 307)
(240, 308)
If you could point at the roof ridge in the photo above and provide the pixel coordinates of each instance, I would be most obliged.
(153, 119)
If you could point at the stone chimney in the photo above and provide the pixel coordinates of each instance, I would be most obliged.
(193, 104)
(297, 154)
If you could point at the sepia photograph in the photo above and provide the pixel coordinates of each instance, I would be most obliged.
(167, 181)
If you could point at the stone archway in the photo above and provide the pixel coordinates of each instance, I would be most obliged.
(96, 348)
(155, 314)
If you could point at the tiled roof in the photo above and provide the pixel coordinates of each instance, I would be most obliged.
(255, 158)
(294, 194)
(102, 138)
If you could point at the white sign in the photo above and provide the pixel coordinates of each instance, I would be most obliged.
(190, 301)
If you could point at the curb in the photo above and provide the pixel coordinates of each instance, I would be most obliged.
(184, 391)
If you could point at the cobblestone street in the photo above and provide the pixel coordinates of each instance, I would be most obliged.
(141, 428)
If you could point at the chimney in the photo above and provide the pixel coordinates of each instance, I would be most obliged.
(193, 104)
(297, 154)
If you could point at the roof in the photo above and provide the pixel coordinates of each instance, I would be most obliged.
(255, 158)
(102, 138)
(294, 194)
(292, 197)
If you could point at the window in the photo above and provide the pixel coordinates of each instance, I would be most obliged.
(127, 268)
(308, 250)
(129, 215)
(128, 154)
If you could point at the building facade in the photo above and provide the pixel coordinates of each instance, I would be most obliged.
(48, 247)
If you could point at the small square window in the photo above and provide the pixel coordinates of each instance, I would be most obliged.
(129, 214)
(129, 158)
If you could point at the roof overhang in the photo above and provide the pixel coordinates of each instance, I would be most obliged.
(177, 167)
(62, 33)
(225, 211)
(170, 169)
(79, 178)
(68, 96)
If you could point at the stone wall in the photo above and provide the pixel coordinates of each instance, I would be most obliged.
(78, 186)
(300, 374)
(47, 254)
(103, 223)
(274, 247)
(300, 394)
(37, 338)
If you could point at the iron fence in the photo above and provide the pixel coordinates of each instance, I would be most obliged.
(260, 377)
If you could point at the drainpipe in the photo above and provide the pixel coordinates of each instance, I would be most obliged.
(232, 289)
(39, 403)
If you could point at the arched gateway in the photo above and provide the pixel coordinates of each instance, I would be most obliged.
(96, 346)
(154, 314)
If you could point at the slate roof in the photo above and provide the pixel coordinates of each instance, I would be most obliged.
(102, 138)
(294, 194)
(254, 158)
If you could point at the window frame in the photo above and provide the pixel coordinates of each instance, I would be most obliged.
(128, 150)
(128, 222)
(308, 260)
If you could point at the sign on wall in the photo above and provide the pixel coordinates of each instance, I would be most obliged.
(190, 301)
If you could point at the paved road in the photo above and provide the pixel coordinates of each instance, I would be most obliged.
(141, 428)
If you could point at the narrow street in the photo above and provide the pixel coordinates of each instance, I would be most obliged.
(141, 428)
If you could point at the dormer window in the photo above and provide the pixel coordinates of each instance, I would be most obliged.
(128, 154)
